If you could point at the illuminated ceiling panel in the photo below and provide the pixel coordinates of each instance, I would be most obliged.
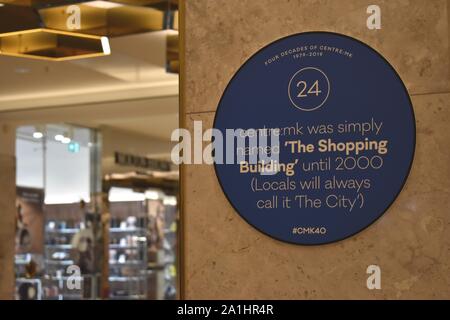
(110, 18)
(54, 45)
(39, 3)
(54, 29)
(22, 34)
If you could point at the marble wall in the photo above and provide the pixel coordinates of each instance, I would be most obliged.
(224, 257)
(7, 210)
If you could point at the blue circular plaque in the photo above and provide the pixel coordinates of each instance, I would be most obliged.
(318, 138)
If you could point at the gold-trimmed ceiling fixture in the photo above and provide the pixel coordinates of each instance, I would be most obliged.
(23, 34)
(113, 18)
(37, 3)
(73, 29)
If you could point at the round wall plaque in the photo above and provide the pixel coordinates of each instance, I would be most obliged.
(340, 133)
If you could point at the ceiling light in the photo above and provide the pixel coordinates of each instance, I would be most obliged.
(122, 195)
(66, 140)
(151, 195)
(104, 18)
(103, 4)
(53, 45)
(105, 45)
(59, 137)
(170, 201)
(22, 35)
(38, 135)
(64, 198)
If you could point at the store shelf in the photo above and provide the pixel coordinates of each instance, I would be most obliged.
(62, 231)
(59, 246)
(57, 278)
(121, 246)
(127, 278)
(127, 230)
(155, 266)
(77, 296)
(59, 262)
(129, 297)
(128, 263)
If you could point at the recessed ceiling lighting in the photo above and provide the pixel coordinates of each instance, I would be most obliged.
(66, 140)
(59, 137)
(105, 45)
(152, 195)
(102, 4)
(170, 201)
(38, 135)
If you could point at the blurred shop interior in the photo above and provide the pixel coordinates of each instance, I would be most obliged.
(90, 93)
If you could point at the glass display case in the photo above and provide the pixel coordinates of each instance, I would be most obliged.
(28, 269)
(128, 251)
(64, 278)
(127, 261)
